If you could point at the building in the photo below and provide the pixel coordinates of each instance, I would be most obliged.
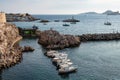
(2, 17)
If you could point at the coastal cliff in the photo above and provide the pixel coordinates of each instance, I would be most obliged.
(10, 51)
(52, 39)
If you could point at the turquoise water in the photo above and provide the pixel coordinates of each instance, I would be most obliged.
(95, 60)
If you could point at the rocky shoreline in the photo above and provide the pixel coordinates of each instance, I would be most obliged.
(52, 39)
(20, 17)
(10, 51)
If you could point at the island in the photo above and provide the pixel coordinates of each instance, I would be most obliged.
(110, 12)
(12, 17)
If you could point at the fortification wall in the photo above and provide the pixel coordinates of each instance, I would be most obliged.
(2, 17)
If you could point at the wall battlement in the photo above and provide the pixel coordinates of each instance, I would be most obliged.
(2, 17)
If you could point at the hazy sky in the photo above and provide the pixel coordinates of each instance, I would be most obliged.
(58, 6)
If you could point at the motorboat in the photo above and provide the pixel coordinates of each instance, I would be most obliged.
(107, 23)
(67, 69)
(66, 25)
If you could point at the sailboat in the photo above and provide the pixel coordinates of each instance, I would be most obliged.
(107, 22)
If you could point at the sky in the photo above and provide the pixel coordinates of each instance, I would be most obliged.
(58, 6)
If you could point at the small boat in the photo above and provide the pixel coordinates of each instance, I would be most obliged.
(67, 69)
(35, 27)
(51, 53)
(107, 23)
(66, 25)
(71, 20)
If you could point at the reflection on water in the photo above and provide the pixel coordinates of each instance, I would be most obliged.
(95, 60)
(0, 74)
(65, 76)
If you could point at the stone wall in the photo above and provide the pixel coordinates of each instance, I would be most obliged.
(2, 17)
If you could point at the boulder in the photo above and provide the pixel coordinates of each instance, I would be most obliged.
(27, 49)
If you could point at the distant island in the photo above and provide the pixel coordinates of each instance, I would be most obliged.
(108, 12)
(15, 17)
(90, 13)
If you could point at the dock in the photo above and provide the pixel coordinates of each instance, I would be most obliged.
(28, 32)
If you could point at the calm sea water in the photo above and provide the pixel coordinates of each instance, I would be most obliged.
(95, 60)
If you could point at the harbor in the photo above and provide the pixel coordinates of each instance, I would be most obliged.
(89, 56)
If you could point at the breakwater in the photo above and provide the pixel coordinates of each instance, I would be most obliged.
(51, 39)
(99, 37)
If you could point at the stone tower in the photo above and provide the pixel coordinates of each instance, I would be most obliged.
(2, 17)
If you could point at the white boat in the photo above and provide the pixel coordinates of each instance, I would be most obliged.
(67, 69)
(51, 53)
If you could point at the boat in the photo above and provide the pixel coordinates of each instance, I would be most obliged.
(66, 25)
(107, 23)
(51, 53)
(35, 27)
(71, 20)
(67, 69)
(59, 58)
(61, 61)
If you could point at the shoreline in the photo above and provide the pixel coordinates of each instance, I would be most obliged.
(10, 50)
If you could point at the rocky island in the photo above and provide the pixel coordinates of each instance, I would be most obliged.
(52, 39)
(19, 17)
(109, 12)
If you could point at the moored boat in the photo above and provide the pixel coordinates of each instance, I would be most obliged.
(66, 25)
(67, 69)
(51, 53)
(107, 23)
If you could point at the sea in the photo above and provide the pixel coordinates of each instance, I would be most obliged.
(98, 60)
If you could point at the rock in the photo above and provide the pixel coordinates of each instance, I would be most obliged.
(51, 39)
(27, 49)
(109, 12)
(10, 51)
(20, 17)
